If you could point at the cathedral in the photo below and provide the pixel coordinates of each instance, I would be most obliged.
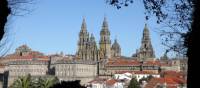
(90, 61)
(87, 46)
(88, 50)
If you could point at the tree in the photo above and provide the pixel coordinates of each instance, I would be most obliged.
(10, 8)
(30, 82)
(133, 84)
(5, 11)
(182, 19)
(68, 84)
(22, 82)
(192, 42)
(47, 83)
(175, 16)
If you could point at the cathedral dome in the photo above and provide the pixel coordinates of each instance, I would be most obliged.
(116, 45)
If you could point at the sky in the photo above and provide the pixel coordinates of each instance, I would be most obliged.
(53, 26)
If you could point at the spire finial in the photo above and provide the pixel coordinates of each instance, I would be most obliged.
(83, 19)
(105, 23)
(105, 19)
(83, 26)
(92, 38)
(145, 27)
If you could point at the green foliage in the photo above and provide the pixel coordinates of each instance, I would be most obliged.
(29, 82)
(22, 82)
(46, 83)
(174, 16)
(134, 84)
(68, 84)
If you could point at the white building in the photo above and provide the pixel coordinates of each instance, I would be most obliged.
(106, 83)
(112, 83)
(144, 74)
(97, 83)
(137, 74)
(126, 75)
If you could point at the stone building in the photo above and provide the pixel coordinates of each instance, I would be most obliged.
(174, 65)
(75, 70)
(120, 64)
(87, 47)
(23, 68)
(23, 50)
(115, 49)
(145, 52)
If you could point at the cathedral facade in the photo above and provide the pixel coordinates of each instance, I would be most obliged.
(87, 46)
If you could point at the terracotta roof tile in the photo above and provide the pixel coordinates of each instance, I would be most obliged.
(136, 72)
(98, 80)
(122, 62)
(127, 62)
(172, 74)
(111, 82)
(171, 82)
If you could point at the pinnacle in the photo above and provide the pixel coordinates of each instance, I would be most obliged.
(83, 26)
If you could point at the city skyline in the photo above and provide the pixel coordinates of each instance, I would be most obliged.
(64, 24)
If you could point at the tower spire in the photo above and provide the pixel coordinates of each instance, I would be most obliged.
(105, 23)
(83, 42)
(146, 51)
(146, 34)
(92, 38)
(83, 26)
(105, 42)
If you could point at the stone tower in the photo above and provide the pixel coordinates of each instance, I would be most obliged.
(164, 57)
(116, 49)
(23, 50)
(105, 42)
(146, 51)
(94, 52)
(83, 43)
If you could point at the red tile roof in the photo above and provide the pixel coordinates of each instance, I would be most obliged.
(151, 63)
(111, 82)
(136, 72)
(128, 62)
(144, 72)
(171, 82)
(122, 62)
(25, 57)
(172, 74)
(2, 66)
(98, 80)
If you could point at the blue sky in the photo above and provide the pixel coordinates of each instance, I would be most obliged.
(53, 26)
